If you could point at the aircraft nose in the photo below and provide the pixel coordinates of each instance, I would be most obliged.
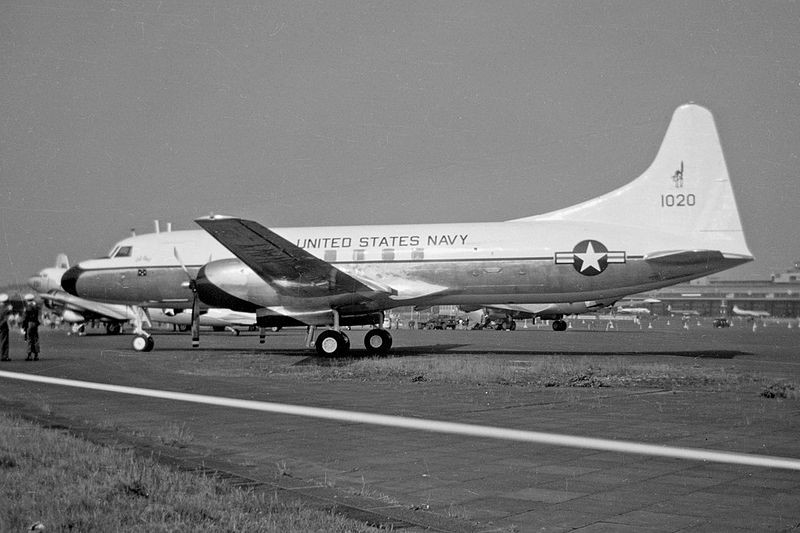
(69, 281)
(35, 283)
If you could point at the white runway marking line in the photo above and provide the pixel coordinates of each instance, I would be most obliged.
(436, 426)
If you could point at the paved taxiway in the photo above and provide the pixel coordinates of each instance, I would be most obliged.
(457, 483)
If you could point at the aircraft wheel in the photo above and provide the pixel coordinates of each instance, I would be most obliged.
(113, 328)
(143, 343)
(559, 325)
(332, 343)
(512, 326)
(378, 341)
(183, 328)
(275, 329)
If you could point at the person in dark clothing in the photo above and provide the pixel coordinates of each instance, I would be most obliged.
(30, 325)
(5, 311)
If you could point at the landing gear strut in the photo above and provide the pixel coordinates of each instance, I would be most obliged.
(142, 341)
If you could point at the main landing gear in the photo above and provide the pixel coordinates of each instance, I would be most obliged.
(332, 343)
(335, 343)
(559, 325)
(378, 341)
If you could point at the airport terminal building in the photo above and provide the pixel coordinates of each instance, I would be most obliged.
(779, 296)
(709, 297)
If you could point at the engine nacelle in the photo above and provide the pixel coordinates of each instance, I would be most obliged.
(72, 317)
(227, 283)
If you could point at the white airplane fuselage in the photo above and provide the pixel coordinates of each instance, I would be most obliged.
(510, 262)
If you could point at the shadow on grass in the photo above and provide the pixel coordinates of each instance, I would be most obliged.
(457, 349)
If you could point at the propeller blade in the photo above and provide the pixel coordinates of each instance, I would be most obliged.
(195, 321)
(180, 262)
(195, 301)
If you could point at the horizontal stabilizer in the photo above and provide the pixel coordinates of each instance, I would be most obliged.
(684, 257)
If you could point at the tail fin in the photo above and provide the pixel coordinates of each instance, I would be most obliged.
(686, 190)
(62, 261)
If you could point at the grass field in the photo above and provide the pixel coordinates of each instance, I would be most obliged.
(50, 478)
(542, 371)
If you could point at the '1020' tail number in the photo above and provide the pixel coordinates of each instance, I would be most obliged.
(678, 200)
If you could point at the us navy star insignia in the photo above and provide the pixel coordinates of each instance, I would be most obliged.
(590, 257)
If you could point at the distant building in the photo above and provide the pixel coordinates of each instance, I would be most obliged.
(779, 296)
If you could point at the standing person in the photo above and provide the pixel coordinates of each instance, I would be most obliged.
(30, 324)
(5, 312)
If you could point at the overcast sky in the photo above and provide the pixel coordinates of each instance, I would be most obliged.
(113, 114)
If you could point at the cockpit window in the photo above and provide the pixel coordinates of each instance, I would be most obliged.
(113, 251)
(124, 251)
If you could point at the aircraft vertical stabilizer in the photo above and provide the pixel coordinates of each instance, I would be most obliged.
(62, 261)
(686, 190)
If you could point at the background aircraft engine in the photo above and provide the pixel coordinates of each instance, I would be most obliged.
(72, 317)
(218, 281)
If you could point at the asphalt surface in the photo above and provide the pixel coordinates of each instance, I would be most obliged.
(417, 480)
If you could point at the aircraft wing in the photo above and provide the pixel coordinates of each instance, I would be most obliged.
(550, 309)
(112, 311)
(288, 268)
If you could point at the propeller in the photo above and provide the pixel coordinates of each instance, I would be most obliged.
(195, 301)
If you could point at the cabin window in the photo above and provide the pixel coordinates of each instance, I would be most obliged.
(358, 255)
(330, 256)
(124, 251)
(387, 254)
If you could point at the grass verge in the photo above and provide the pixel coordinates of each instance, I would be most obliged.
(555, 371)
(67, 484)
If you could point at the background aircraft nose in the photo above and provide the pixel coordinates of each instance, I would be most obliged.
(69, 280)
(35, 283)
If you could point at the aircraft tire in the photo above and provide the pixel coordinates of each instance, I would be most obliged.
(332, 343)
(378, 341)
(513, 325)
(559, 325)
(143, 343)
(113, 328)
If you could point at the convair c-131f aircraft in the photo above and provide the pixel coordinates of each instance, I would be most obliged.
(680, 222)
